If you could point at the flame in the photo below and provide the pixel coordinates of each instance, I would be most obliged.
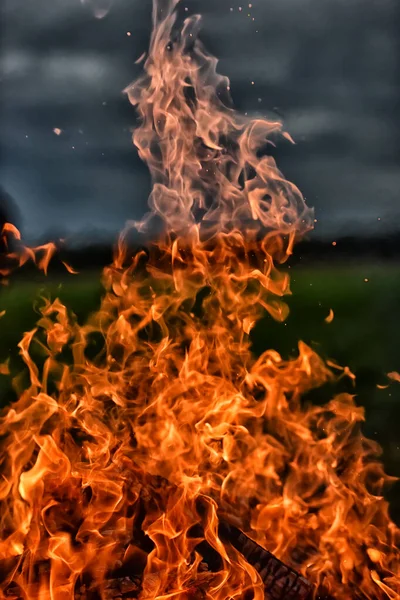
(21, 254)
(70, 269)
(394, 376)
(118, 465)
(17, 254)
(330, 317)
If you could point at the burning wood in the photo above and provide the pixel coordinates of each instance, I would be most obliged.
(281, 582)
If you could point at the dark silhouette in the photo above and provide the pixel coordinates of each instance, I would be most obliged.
(9, 213)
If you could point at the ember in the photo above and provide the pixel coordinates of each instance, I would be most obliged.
(151, 455)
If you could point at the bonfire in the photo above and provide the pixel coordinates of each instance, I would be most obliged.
(172, 463)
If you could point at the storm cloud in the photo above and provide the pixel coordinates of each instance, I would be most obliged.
(328, 68)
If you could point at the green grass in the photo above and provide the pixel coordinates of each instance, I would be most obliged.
(365, 328)
(364, 334)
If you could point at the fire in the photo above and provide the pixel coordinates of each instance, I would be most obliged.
(330, 317)
(118, 465)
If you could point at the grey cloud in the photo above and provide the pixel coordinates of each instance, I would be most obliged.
(85, 204)
(330, 66)
(31, 78)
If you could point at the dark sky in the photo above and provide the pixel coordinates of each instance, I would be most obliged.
(329, 68)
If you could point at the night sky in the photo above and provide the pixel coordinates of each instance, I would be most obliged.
(329, 68)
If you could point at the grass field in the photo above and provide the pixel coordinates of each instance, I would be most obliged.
(364, 334)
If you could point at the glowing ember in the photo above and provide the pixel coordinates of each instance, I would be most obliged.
(117, 468)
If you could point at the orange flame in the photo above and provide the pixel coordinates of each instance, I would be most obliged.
(330, 317)
(19, 254)
(122, 463)
(394, 376)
